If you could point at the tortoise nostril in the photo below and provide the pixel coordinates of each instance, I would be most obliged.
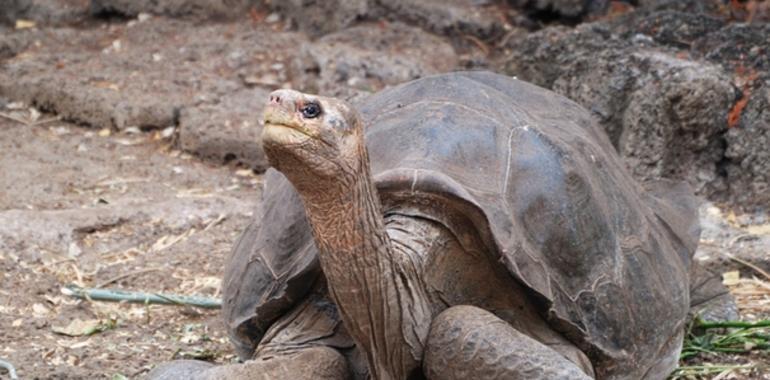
(275, 99)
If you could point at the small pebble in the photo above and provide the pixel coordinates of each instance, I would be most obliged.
(273, 18)
(168, 132)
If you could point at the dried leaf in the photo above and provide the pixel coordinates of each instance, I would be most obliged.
(761, 229)
(79, 327)
(245, 173)
(107, 85)
(735, 113)
(731, 278)
(744, 78)
(40, 311)
(34, 114)
(24, 24)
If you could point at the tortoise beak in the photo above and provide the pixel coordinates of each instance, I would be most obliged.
(281, 111)
(278, 116)
(283, 124)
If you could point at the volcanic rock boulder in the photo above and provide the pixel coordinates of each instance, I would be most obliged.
(227, 131)
(368, 57)
(662, 113)
(747, 157)
(568, 9)
(680, 94)
(144, 74)
(447, 17)
(210, 79)
(44, 11)
(200, 9)
(317, 18)
(13, 42)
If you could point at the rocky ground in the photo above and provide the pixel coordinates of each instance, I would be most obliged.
(130, 154)
(122, 210)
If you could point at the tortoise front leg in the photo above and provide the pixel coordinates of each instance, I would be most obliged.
(307, 343)
(466, 342)
(304, 364)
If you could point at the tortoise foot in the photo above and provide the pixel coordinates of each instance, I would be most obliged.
(320, 363)
(179, 370)
(466, 342)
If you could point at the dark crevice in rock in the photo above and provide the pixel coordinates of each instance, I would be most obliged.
(110, 14)
(99, 227)
(549, 16)
(724, 161)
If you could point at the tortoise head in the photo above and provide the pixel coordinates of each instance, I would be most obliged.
(309, 137)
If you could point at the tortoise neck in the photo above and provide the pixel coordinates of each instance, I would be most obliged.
(374, 294)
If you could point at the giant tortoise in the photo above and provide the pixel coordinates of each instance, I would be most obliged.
(462, 226)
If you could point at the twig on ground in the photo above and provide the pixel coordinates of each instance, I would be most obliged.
(139, 297)
(11, 370)
(504, 41)
(708, 369)
(14, 118)
(214, 222)
(28, 123)
(126, 275)
(748, 264)
(78, 275)
(479, 43)
(57, 262)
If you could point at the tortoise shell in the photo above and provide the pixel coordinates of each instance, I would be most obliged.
(606, 259)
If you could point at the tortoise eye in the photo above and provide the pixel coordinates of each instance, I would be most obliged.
(311, 110)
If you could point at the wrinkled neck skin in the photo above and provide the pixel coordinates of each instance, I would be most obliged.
(380, 299)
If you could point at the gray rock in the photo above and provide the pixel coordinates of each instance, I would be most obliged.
(691, 6)
(748, 152)
(674, 118)
(317, 18)
(199, 9)
(368, 57)
(13, 41)
(564, 8)
(447, 17)
(666, 114)
(723, 237)
(28, 232)
(140, 74)
(212, 79)
(229, 131)
(678, 29)
(44, 11)
(742, 51)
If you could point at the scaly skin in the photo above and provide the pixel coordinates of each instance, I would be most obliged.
(330, 169)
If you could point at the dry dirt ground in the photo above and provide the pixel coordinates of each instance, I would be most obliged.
(126, 210)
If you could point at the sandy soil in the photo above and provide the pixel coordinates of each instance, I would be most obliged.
(120, 210)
